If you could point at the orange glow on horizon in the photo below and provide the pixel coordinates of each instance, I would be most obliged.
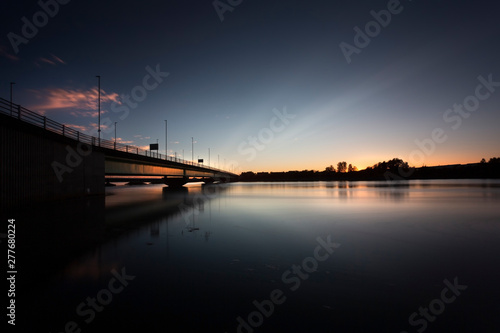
(363, 164)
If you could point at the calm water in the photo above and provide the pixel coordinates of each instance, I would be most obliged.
(245, 257)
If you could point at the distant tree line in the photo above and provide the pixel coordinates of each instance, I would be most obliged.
(341, 167)
(393, 169)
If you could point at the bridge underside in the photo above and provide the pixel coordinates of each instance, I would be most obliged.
(173, 175)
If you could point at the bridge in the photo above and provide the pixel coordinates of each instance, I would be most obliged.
(42, 160)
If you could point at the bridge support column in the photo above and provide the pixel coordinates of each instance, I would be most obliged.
(208, 181)
(175, 182)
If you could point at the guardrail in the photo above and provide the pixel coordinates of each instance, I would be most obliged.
(25, 115)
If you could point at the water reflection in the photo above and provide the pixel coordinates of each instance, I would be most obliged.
(203, 254)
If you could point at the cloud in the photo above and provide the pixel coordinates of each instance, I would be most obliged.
(120, 140)
(79, 102)
(140, 137)
(91, 114)
(104, 127)
(52, 60)
(79, 128)
(58, 59)
(47, 61)
(7, 55)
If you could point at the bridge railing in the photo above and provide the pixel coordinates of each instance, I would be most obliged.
(28, 116)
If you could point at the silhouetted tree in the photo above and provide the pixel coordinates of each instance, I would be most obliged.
(351, 168)
(342, 166)
(483, 160)
(330, 168)
(391, 165)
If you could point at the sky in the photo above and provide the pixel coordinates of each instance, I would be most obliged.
(265, 85)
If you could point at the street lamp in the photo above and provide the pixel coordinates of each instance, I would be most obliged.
(11, 84)
(115, 133)
(99, 106)
(192, 150)
(166, 148)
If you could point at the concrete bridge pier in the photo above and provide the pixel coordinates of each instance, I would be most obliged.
(175, 182)
(208, 181)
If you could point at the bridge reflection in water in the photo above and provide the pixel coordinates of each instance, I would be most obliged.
(74, 227)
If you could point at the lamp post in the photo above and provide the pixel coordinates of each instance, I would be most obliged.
(208, 157)
(115, 133)
(99, 107)
(166, 148)
(11, 84)
(192, 150)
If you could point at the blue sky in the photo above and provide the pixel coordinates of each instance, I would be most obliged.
(229, 80)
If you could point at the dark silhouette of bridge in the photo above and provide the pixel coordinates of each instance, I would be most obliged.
(42, 159)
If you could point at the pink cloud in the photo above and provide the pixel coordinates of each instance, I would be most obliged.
(77, 127)
(54, 60)
(7, 55)
(47, 61)
(120, 140)
(90, 114)
(95, 127)
(79, 102)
